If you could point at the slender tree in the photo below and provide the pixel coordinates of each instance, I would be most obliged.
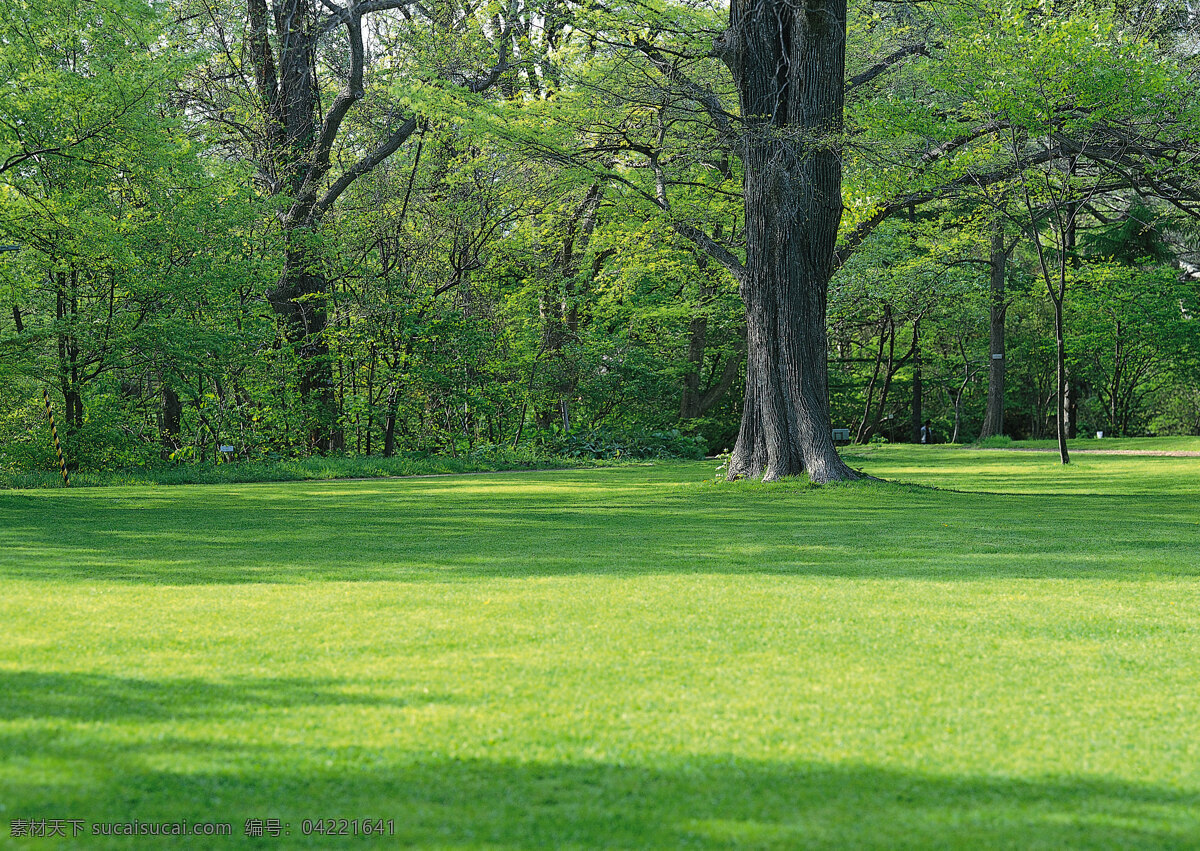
(993, 418)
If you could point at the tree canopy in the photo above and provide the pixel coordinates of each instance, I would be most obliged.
(384, 226)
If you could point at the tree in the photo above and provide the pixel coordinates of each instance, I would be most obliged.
(291, 48)
(1131, 312)
(788, 64)
(788, 70)
(1000, 249)
(123, 227)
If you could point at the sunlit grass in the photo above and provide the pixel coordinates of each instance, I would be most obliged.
(1147, 444)
(628, 658)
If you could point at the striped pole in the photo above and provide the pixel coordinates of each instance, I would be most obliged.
(62, 464)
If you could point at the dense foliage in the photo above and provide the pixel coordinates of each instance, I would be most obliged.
(481, 233)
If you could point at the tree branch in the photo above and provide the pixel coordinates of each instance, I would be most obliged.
(384, 150)
(885, 65)
(350, 94)
(721, 117)
(266, 78)
(692, 233)
(714, 393)
(858, 235)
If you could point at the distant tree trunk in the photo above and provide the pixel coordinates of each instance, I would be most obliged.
(957, 400)
(788, 63)
(689, 403)
(389, 428)
(1063, 391)
(993, 418)
(559, 304)
(1073, 392)
(1115, 384)
(1068, 406)
(869, 425)
(696, 402)
(291, 102)
(1056, 288)
(371, 399)
(172, 419)
(863, 430)
(299, 300)
(956, 395)
(918, 391)
(67, 314)
(282, 46)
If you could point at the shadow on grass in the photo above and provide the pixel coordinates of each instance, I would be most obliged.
(87, 770)
(448, 529)
(99, 697)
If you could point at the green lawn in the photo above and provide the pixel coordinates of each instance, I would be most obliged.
(1149, 444)
(624, 658)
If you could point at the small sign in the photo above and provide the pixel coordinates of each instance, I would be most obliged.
(227, 449)
(997, 357)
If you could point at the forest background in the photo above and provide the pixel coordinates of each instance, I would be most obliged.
(498, 228)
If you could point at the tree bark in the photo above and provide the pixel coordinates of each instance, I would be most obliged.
(788, 63)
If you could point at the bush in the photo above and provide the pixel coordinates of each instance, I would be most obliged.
(288, 470)
(998, 441)
(607, 443)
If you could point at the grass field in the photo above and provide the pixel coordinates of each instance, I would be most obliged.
(622, 658)
(1144, 444)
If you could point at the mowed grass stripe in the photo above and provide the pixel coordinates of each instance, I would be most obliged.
(623, 658)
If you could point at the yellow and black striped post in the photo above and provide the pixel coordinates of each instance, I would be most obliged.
(62, 464)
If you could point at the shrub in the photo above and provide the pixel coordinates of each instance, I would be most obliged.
(610, 443)
(998, 441)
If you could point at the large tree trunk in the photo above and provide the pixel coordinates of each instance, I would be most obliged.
(993, 418)
(788, 62)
